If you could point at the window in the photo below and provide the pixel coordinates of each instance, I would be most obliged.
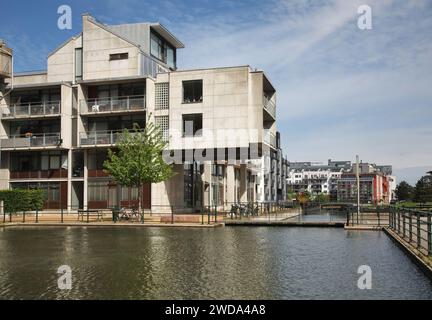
(162, 50)
(171, 57)
(119, 56)
(193, 184)
(192, 91)
(192, 125)
(78, 63)
(97, 191)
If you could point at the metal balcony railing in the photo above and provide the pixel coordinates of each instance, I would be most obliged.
(269, 138)
(95, 138)
(269, 106)
(113, 104)
(32, 109)
(31, 141)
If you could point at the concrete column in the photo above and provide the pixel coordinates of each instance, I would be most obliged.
(230, 187)
(85, 187)
(206, 177)
(69, 182)
(243, 183)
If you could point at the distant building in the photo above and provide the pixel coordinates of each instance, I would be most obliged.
(377, 185)
(316, 178)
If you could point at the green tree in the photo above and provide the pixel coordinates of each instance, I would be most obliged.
(423, 190)
(322, 197)
(291, 195)
(303, 197)
(404, 191)
(138, 159)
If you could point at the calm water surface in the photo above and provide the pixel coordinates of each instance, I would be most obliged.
(224, 263)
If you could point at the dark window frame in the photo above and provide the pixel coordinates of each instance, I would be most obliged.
(119, 56)
(197, 125)
(199, 92)
(163, 47)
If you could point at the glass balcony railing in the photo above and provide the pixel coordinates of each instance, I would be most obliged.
(31, 141)
(113, 104)
(32, 109)
(269, 106)
(95, 138)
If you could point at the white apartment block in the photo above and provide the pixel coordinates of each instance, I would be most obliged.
(316, 178)
(57, 125)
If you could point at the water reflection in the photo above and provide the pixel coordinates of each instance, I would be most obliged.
(224, 263)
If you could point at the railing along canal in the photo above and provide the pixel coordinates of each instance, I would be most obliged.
(413, 226)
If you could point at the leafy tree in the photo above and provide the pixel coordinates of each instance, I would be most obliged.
(138, 159)
(322, 197)
(290, 193)
(404, 191)
(423, 190)
(303, 197)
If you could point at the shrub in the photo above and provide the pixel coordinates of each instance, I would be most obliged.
(22, 200)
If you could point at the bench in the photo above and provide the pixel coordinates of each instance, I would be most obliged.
(90, 213)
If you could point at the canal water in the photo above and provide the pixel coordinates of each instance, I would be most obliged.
(220, 263)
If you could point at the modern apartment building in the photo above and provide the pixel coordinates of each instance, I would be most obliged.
(316, 178)
(377, 185)
(57, 125)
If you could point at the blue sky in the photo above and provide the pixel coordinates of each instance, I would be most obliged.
(342, 91)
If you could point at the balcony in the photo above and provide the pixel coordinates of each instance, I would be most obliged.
(28, 141)
(98, 138)
(269, 138)
(113, 105)
(32, 110)
(269, 106)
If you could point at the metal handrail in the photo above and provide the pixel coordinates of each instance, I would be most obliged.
(32, 109)
(270, 106)
(31, 140)
(113, 104)
(108, 137)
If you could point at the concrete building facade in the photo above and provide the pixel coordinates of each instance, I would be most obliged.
(220, 123)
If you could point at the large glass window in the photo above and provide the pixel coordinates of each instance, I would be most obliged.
(193, 184)
(116, 90)
(35, 161)
(34, 127)
(98, 191)
(192, 91)
(162, 50)
(35, 96)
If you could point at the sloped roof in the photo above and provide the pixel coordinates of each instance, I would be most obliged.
(137, 32)
(134, 33)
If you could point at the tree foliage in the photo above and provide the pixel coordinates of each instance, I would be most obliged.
(17, 200)
(423, 190)
(303, 197)
(138, 159)
(322, 197)
(404, 191)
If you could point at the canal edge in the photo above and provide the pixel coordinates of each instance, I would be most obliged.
(416, 256)
(115, 225)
